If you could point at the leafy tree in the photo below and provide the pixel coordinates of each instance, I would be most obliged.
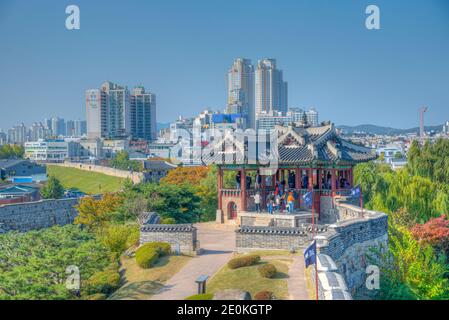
(121, 161)
(185, 175)
(95, 212)
(409, 269)
(434, 232)
(33, 264)
(52, 189)
(119, 237)
(172, 201)
(11, 151)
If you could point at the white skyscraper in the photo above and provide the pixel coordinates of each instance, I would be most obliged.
(240, 83)
(108, 112)
(271, 93)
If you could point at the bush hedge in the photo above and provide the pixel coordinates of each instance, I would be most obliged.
(162, 248)
(267, 270)
(264, 295)
(146, 256)
(104, 282)
(204, 296)
(244, 261)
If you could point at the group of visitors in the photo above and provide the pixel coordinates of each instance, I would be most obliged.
(277, 202)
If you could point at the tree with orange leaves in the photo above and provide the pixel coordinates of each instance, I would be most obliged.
(183, 175)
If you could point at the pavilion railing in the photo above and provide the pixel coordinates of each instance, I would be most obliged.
(301, 192)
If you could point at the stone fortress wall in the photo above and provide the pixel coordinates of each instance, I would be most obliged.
(37, 215)
(349, 241)
(183, 236)
(135, 177)
(344, 240)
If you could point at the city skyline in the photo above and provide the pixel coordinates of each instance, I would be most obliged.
(330, 60)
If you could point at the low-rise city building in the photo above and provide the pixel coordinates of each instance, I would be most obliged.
(47, 150)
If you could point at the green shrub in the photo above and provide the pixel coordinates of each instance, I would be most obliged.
(243, 261)
(162, 248)
(204, 296)
(264, 295)
(267, 270)
(104, 282)
(168, 221)
(146, 256)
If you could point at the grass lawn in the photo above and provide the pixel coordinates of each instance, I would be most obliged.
(249, 279)
(141, 284)
(85, 181)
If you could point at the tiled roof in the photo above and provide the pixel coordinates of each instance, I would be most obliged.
(298, 145)
(168, 227)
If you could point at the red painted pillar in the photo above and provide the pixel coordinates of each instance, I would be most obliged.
(243, 190)
(319, 177)
(310, 175)
(298, 187)
(220, 187)
(263, 187)
(351, 177)
(297, 178)
(334, 181)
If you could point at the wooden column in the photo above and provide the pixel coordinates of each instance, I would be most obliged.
(298, 187)
(334, 181)
(243, 190)
(319, 173)
(351, 177)
(310, 173)
(297, 178)
(220, 187)
(263, 188)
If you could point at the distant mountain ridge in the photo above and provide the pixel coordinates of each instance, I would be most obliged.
(373, 129)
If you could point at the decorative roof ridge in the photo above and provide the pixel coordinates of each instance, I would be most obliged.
(355, 147)
(324, 135)
(167, 227)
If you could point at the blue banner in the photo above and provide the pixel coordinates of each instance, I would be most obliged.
(310, 254)
(308, 198)
(356, 191)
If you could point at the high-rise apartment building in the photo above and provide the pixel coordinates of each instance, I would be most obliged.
(108, 111)
(18, 134)
(143, 114)
(312, 117)
(240, 83)
(70, 128)
(80, 128)
(38, 131)
(271, 91)
(57, 127)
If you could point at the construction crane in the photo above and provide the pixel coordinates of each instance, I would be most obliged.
(422, 110)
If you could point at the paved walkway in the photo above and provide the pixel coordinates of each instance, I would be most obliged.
(296, 280)
(218, 245)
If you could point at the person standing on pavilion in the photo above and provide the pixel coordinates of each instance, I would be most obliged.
(290, 202)
(270, 202)
(238, 180)
(257, 200)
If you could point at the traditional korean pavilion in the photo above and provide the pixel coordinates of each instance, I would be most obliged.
(313, 159)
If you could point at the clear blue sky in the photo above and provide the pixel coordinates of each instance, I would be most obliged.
(181, 50)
